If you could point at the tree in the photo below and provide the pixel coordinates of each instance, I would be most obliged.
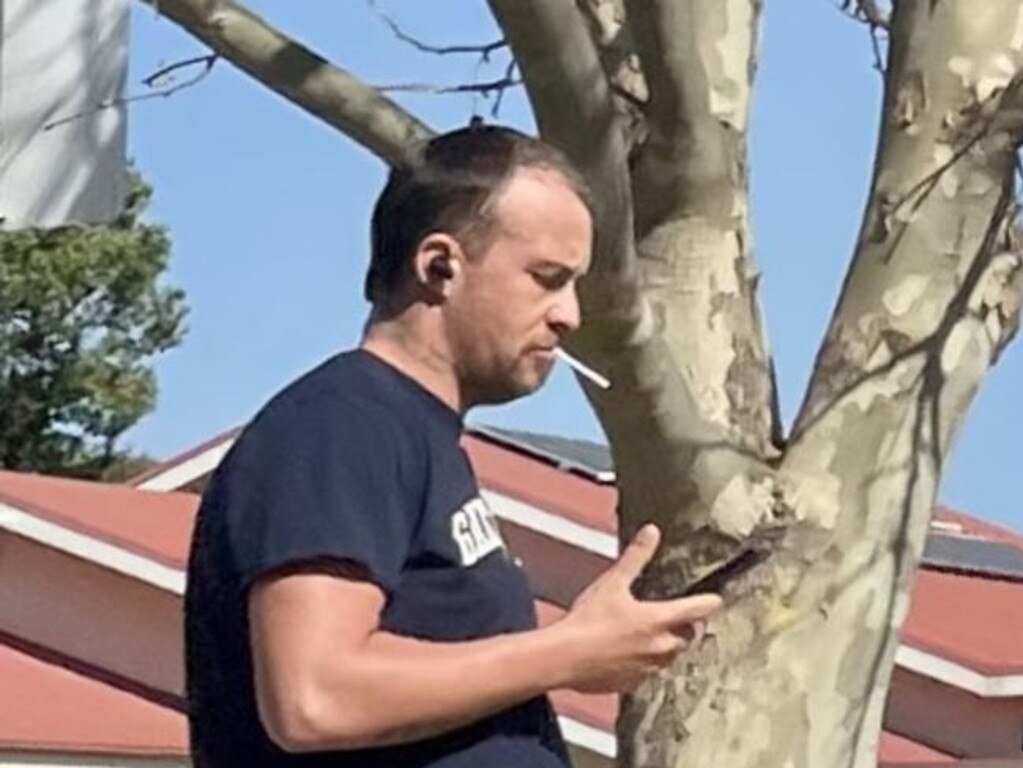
(81, 314)
(650, 98)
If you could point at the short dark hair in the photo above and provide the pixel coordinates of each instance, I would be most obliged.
(447, 184)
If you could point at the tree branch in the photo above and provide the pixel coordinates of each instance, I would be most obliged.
(573, 106)
(153, 80)
(698, 61)
(870, 13)
(301, 76)
(487, 87)
(483, 50)
(692, 198)
(208, 61)
(867, 11)
(609, 28)
(575, 111)
(933, 292)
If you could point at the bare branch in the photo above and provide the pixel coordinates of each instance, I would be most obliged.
(696, 141)
(870, 13)
(509, 73)
(574, 108)
(485, 88)
(875, 45)
(308, 80)
(153, 80)
(609, 28)
(483, 50)
(932, 294)
(867, 11)
(208, 61)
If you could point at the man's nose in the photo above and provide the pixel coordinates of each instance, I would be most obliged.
(565, 314)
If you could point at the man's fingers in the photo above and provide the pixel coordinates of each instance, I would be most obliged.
(688, 610)
(639, 552)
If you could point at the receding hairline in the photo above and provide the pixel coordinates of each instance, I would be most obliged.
(456, 181)
(481, 231)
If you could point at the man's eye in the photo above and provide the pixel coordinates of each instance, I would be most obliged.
(551, 281)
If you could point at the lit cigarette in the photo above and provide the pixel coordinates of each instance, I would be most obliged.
(582, 369)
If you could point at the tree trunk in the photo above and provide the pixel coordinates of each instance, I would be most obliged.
(796, 672)
(651, 100)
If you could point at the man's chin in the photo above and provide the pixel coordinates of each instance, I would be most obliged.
(514, 387)
(532, 382)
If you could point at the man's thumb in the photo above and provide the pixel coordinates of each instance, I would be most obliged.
(639, 552)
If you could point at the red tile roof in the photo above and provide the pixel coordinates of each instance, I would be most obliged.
(975, 621)
(980, 605)
(897, 750)
(48, 708)
(57, 710)
(155, 525)
(984, 636)
(543, 485)
(158, 525)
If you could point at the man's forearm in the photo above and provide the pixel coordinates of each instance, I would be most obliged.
(396, 689)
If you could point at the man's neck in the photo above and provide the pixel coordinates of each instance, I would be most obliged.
(417, 357)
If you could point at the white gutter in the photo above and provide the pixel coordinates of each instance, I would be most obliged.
(85, 547)
(190, 469)
(951, 673)
(555, 526)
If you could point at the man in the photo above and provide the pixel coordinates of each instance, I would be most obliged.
(350, 602)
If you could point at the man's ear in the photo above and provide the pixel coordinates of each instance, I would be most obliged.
(438, 264)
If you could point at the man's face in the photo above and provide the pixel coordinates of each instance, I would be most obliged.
(518, 298)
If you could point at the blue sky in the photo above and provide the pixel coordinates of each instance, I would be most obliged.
(268, 210)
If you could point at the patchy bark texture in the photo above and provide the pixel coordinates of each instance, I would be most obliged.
(651, 99)
(796, 672)
(607, 22)
(691, 193)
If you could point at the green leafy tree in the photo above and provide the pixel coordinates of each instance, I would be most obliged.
(81, 317)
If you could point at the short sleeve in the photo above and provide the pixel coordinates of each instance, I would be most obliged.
(308, 482)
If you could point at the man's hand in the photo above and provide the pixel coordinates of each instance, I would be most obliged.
(327, 677)
(620, 640)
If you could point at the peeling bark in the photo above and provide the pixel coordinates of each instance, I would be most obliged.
(651, 99)
(609, 28)
(798, 668)
(692, 200)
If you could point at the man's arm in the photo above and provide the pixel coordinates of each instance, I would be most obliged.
(328, 678)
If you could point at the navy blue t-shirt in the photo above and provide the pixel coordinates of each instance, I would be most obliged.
(354, 462)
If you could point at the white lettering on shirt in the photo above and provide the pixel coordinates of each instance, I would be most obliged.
(475, 532)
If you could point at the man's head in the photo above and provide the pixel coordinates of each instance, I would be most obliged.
(485, 231)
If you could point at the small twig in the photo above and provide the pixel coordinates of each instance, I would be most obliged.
(875, 44)
(209, 60)
(509, 75)
(626, 94)
(484, 88)
(868, 12)
(483, 50)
